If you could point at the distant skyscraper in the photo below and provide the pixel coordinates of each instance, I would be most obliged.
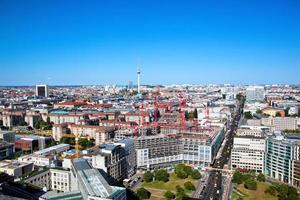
(129, 84)
(138, 79)
(41, 90)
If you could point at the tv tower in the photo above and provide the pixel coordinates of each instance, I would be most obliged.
(138, 79)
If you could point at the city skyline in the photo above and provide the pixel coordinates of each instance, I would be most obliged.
(186, 43)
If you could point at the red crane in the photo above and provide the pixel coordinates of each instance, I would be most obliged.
(182, 104)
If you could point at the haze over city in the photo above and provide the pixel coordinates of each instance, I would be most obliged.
(149, 100)
(174, 42)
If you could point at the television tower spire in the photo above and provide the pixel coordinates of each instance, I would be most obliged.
(138, 79)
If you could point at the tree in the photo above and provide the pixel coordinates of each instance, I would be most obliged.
(250, 184)
(195, 174)
(148, 176)
(186, 115)
(271, 190)
(237, 177)
(142, 193)
(181, 174)
(261, 177)
(162, 175)
(169, 195)
(189, 186)
(248, 115)
(195, 113)
(188, 170)
(85, 143)
(179, 189)
(183, 171)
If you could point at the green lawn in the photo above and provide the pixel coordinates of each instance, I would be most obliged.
(158, 188)
(253, 194)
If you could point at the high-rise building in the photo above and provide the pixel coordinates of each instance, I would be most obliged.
(41, 90)
(255, 93)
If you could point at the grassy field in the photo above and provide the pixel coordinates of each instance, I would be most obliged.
(253, 194)
(158, 188)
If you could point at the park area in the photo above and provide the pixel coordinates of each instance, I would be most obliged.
(240, 192)
(159, 184)
(251, 186)
(158, 188)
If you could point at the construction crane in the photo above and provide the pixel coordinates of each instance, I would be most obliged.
(76, 136)
(182, 103)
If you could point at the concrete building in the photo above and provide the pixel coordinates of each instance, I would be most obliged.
(248, 152)
(130, 155)
(280, 123)
(15, 168)
(112, 160)
(158, 151)
(201, 147)
(7, 150)
(62, 180)
(92, 185)
(255, 93)
(41, 179)
(8, 136)
(281, 153)
(42, 90)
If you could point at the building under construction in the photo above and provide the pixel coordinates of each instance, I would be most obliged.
(196, 147)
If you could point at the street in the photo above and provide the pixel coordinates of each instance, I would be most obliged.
(213, 189)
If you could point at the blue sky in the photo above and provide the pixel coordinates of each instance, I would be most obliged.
(101, 42)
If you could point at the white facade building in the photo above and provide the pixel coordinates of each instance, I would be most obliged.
(248, 153)
(255, 93)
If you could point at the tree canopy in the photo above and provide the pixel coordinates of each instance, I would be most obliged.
(142, 193)
(148, 176)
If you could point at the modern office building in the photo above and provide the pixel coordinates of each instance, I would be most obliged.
(42, 90)
(92, 185)
(255, 93)
(130, 155)
(6, 150)
(197, 148)
(248, 152)
(201, 147)
(8, 136)
(281, 153)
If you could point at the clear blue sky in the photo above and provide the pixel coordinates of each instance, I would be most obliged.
(101, 42)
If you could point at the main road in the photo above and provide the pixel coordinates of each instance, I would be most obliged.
(213, 189)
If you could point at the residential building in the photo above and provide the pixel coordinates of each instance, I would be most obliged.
(255, 93)
(280, 123)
